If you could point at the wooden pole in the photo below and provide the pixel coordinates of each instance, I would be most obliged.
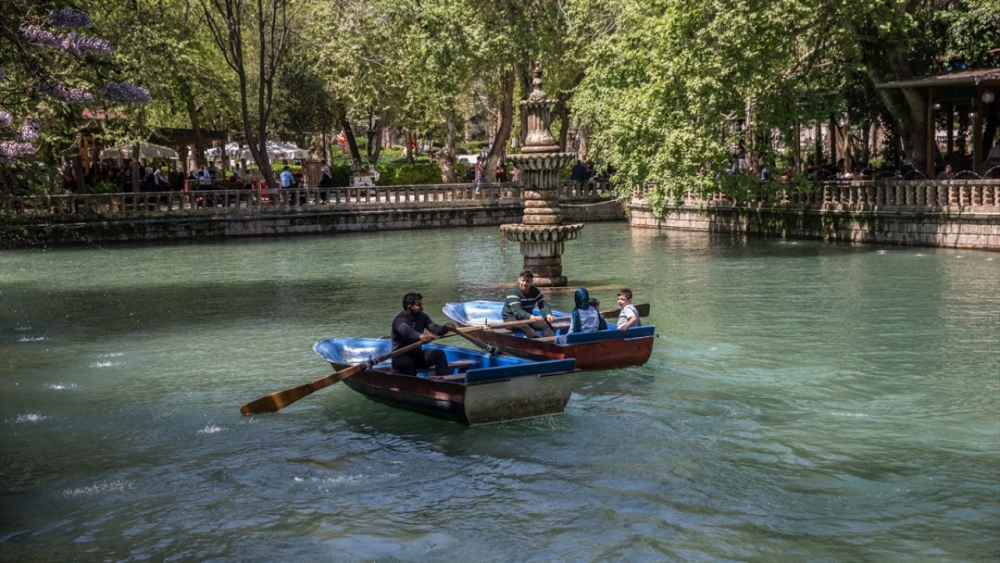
(833, 140)
(798, 147)
(848, 165)
(978, 164)
(929, 165)
(951, 129)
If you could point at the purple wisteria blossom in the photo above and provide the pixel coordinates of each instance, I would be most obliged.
(5, 118)
(70, 18)
(80, 45)
(64, 93)
(9, 150)
(124, 93)
(3, 75)
(29, 129)
(76, 45)
(38, 35)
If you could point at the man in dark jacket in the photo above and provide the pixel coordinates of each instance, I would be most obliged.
(408, 328)
(520, 304)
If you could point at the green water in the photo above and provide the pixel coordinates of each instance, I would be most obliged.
(805, 402)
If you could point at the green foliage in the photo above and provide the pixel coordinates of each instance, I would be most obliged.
(681, 85)
(409, 174)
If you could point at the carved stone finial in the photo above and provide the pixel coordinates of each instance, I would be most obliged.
(537, 94)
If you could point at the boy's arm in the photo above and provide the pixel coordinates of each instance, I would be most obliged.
(633, 317)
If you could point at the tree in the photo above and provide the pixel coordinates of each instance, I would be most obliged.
(685, 75)
(270, 28)
(50, 71)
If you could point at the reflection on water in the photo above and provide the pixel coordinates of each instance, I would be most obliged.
(804, 401)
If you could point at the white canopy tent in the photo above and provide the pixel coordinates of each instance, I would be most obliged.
(146, 150)
(276, 150)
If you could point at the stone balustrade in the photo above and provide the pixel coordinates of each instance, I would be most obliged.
(924, 195)
(952, 214)
(247, 202)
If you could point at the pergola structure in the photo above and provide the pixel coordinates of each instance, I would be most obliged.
(92, 143)
(973, 89)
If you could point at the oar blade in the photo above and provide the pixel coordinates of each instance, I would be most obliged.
(281, 399)
(642, 309)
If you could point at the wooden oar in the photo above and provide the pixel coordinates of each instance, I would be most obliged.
(281, 399)
(643, 309)
(611, 313)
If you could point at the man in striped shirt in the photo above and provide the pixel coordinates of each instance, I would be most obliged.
(520, 304)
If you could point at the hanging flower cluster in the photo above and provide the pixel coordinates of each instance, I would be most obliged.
(76, 45)
(70, 18)
(73, 44)
(124, 93)
(29, 129)
(39, 36)
(65, 94)
(80, 46)
(9, 150)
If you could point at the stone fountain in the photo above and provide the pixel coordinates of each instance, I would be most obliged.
(541, 234)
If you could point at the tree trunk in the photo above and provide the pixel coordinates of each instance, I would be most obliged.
(352, 143)
(907, 106)
(446, 156)
(408, 149)
(585, 132)
(135, 167)
(505, 122)
(564, 124)
(189, 101)
(374, 135)
(81, 186)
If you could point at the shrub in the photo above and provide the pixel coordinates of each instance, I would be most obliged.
(409, 174)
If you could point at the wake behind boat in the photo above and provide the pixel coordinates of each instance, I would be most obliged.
(605, 349)
(480, 389)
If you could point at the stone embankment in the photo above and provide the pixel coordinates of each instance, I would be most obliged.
(952, 214)
(59, 219)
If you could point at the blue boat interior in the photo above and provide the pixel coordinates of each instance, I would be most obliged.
(488, 312)
(475, 365)
(482, 312)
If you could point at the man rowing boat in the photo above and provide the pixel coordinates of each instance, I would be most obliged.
(520, 303)
(408, 328)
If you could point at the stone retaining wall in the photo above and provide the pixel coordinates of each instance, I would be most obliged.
(68, 219)
(945, 214)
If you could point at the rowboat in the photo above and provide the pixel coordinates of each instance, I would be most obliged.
(605, 349)
(481, 388)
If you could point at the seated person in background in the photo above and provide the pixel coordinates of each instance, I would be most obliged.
(629, 315)
(584, 318)
(408, 328)
(520, 303)
(993, 157)
(946, 174)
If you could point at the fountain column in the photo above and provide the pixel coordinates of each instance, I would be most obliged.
(540, 233)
